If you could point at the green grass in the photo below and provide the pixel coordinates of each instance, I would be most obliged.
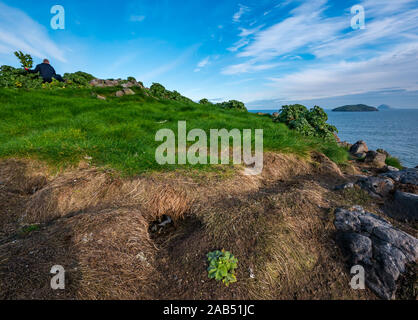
(394, 162)
(61, 127)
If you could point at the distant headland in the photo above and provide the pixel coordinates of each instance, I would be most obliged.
(355, 108)
(384, 107)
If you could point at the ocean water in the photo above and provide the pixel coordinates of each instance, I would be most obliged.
(394, 130)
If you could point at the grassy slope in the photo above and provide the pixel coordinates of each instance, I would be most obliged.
(63, 126)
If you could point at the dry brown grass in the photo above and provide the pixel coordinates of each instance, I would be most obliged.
(97, 225)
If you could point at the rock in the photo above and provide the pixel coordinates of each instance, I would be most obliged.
(128, 91)
(408, 204)
(379, 247)
(406, 176)
(100, 97)
(381, 186)
(359, 247)
(392, 169)
(128, 85)
(375, 158)
(120, 93)
(344, 186)
(359, 147)
(345, 144)
(111, 83)
(387, 154)
(360, 155)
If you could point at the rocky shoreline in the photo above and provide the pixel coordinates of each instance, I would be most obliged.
(369, 240)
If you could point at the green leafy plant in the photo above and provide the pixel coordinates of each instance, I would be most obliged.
(233, 104)
(17, 78)
(78, 78)
(204, 101)
(29, 229)
(25, 59)
(222, 265)
(311, 123)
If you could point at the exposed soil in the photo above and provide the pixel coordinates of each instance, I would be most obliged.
(147, 237)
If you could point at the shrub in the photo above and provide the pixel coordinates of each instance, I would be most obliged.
(131, 79)
(290, 113)
(204, 101)
(222, 265)
(157, 90)
(312, 123)
(18, 78)
(25, 59)
(233, 104)
(394, 162)
(78, 78)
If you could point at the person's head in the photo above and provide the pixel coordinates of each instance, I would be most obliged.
(46, 61)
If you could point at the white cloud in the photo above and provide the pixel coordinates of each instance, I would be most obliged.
(306, 26)
(242, 10)
(137, 18)
(246, 67)
(203, 63)
(184, 56)
(20, 32)
(239, 44)
(396, 69)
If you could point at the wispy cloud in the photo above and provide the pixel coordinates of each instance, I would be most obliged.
(203, 63)
(20, 32)
(137, 18)
(242, 10)
(248, 67)
(184, 56)
(395, 69)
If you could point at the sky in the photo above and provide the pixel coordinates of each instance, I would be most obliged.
(265, 53)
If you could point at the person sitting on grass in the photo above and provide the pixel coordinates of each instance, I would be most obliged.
(46, 71)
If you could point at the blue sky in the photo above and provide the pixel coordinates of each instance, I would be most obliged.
(266, 53)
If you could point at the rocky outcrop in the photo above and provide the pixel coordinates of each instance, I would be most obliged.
(377, 159)
(408, 204)
(406, 176)
(380, 186)
(359, 149)
(380, 248)
(115, 83)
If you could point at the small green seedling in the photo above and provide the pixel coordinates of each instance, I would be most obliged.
(29, 229)
(222, 265)
(25, 59)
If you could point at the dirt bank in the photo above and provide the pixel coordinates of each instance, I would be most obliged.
(115, 240)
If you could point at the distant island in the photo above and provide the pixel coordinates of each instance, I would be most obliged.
(355, 108)
(384, 107)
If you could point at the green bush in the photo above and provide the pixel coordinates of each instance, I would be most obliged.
(18, 78)
(222, 265)
(25, 59)
(78, 78)
(204, 101)
(233, 104)
(312, 123)
(157, 90)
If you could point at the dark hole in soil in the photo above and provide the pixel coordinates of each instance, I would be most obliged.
(162, 226)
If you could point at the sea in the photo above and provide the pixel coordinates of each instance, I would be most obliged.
(394, 130)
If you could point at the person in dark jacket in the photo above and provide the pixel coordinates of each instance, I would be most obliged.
(46, 71)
